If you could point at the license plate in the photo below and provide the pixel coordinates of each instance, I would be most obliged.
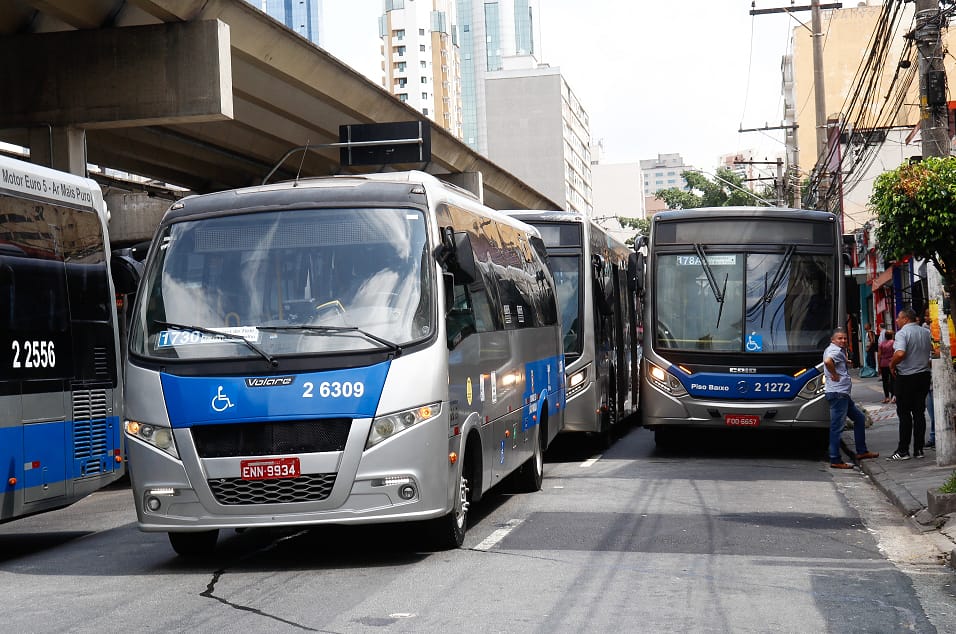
(741, 420)
(269, 469)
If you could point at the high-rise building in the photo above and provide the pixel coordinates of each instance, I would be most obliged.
(302, 16)
(490, 32)
(421, 64)
(663, 172)
(538, 131)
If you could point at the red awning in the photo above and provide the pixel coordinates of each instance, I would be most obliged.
(883, 278)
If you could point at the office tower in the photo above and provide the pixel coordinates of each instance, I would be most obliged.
(302, 16)
(420, 47)
(489, 32)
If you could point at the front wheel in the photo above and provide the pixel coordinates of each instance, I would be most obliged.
(198, 544)
(448, 532)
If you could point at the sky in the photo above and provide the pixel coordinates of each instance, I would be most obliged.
(654, 77)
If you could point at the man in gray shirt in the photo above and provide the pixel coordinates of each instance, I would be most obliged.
(837, 392)
(910, 366)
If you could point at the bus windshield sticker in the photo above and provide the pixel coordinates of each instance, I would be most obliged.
(173, 338)
(754, 342)
(712, 260)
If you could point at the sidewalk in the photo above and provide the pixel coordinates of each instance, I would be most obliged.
(904, 482)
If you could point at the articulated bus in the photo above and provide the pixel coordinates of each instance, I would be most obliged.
(740, 304)
(60, 393)
(594, 274)
(338, 350)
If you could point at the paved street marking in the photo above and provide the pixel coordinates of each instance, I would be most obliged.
(590, 461)
(492, 540)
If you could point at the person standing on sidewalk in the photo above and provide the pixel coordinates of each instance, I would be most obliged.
(885, 354)
(929, 395)
(837, 393)
(870, 341)
(910, 365)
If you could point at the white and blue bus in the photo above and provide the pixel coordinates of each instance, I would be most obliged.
(338, 350)
(739, 306)
(600, 318)
(60, 391)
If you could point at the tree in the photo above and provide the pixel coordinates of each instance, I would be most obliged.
(643, 226)
(725, 190)
(916, 208)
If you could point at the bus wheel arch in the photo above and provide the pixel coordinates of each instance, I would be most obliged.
(448, 531)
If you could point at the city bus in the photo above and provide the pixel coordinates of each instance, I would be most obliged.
(739, 306)
(338, 350)
(594, 273)
(60, 390)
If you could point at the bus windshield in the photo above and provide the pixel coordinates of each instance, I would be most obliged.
(567, 279)
(750, 302)
(290, 282)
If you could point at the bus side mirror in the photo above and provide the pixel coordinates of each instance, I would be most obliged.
(636, 263)
(126, 273)
(456, 255)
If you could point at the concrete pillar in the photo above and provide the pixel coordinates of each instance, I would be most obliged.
(60, 147)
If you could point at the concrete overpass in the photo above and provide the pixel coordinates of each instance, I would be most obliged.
(206, 95)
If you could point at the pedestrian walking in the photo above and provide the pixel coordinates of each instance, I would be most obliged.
(886, 353)
(910, 365)
(837, 392)
(870, 341)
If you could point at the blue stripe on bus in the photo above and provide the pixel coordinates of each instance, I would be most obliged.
(35, 454)
(542, 378)
(200, 400)
(744, 387)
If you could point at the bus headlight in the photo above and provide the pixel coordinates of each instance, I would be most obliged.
(577, 381)
(159, 437)
(813, 388)
(390, 424)
(664, 380)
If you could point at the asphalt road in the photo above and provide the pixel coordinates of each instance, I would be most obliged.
(723, 534)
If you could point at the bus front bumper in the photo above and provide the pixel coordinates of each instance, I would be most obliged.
(662, 410)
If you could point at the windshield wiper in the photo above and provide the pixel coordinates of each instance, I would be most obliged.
(397, 349)
(777, 280)
(228, 335)
(719, 294)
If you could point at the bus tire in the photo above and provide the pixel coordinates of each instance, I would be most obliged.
(194, 544)
(531, 474)
(448, 532)
(664, 437)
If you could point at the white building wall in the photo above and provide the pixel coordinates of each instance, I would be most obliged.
(538, 130)
(618, 190)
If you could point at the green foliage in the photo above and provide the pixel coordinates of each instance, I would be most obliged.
(916, 208)
(643, 226)
(725, 190)
(950, 485)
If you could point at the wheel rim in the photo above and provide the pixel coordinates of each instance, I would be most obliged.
(461, 510)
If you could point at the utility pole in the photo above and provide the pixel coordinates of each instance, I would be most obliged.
(934, 124)
(934, 130)
(816, 33)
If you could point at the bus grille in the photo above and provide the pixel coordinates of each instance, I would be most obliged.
(310, 487)
(271, 439)
(101, 362)
(90, 429)
(89, 404)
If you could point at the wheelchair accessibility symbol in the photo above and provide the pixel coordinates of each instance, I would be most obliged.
(221, 402)
(754, 343)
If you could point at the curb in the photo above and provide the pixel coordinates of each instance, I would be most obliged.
(897, 494)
